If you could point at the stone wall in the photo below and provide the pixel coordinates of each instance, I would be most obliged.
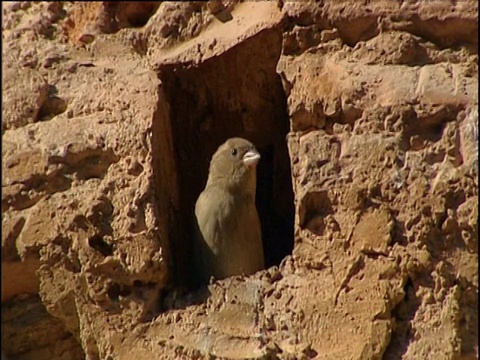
(366, 116)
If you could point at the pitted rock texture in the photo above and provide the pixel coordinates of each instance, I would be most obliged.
(366, 116)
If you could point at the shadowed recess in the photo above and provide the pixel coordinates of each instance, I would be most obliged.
(235, 94)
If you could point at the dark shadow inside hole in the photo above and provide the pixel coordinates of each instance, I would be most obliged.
(116, 290)
(277, 228)
(403, 313)
(113, 291)
(138, 14)
(52, 106)
(125, 291)
(315, 205)
(96, 242)
(235, 94)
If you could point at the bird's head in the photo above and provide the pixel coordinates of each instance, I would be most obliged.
(234, 166)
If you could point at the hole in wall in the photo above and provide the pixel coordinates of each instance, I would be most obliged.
(116, 15)
(313, 209)
(403, 314)
(99, 244)
(115, 291)
(235, 94)
(52, 106)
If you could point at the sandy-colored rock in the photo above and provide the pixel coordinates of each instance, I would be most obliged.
(21, 101)
(29, 328)
(365, 115)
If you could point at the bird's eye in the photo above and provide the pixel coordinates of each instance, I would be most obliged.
(234, 152)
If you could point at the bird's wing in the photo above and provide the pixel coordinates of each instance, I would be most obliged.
(208, 212)
(208, 236)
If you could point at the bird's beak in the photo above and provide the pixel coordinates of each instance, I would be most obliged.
(251, 158)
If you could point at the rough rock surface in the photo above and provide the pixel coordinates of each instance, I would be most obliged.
(366, 115)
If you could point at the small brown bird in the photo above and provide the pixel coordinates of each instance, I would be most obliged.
(229, 238)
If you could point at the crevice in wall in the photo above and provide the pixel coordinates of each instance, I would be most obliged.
(237, 93)
(403, 315)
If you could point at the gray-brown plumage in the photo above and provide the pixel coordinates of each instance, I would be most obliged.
(229, 234)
